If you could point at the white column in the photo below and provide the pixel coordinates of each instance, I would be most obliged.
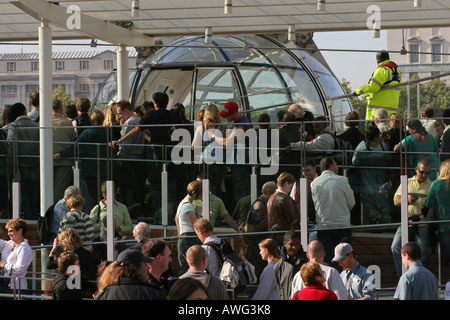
(45, 116)
(304, 213)
(123, 89)
(404, 211)
(110, 220)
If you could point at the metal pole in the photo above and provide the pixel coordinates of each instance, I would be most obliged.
(304, 212)
(16, 199)
(404, 211)
(253, 184)
(45, 116)
(109, 220)
(164, 195)
(205, 198)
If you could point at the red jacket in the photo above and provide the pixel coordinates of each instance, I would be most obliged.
(315, 292)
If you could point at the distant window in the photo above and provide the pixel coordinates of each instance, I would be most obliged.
(10, 66)
(435, 73)
(108, 64)
(436, 50)
(59, 65)
(84, 87)
(34, 65)
(9, 89)
(84, 65)
(414, 56)
(31, 87)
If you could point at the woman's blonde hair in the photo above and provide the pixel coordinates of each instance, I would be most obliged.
(396, 121)
(16, 224)
(444, 171)
(75, 201)
(70, 239)
(212, 114)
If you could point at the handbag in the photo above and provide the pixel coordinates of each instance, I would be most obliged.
(430, 214)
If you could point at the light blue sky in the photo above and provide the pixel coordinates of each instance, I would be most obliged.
(356, 67)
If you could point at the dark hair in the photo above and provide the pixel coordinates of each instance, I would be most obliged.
(34, 98)
(57, 104)
(416, 124)
(161, 99)
(352, 115)
(153, 247)
(371, 133)
(83, 104)
(446, 116)
(412, 249)
(17, 110)
(184, 287)
(65, 260)
(427, 110)
(71, 111)
(290, 235)
(383, 55)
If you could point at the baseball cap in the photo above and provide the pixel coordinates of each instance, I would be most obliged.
(131, 256)
(228, 109)
(341, 251)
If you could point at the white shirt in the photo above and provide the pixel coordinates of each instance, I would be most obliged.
(183, 220)
(17, 260)
(333, 199)
(333, 283)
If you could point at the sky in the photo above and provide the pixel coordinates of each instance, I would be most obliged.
(355, 67)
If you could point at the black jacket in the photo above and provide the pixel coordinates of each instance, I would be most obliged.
(62, 292)
(131, 289)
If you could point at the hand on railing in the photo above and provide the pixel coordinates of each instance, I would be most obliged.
(57, 157)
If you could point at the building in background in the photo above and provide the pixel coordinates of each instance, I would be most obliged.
(433, 45)
(80, 73)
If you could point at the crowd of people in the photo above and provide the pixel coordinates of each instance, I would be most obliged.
(284, 270)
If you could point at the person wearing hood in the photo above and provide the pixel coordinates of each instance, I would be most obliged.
(196, 259)
(381, 95)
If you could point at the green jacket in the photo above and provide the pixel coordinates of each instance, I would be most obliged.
(121, 215)
(382, 77)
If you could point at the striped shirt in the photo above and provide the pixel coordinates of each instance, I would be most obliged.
(81, 222)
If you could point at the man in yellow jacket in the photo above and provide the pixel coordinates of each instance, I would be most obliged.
(383, 77)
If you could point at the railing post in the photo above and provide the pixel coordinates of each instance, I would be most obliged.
(110, 220)
(304, 212)
(404, 211)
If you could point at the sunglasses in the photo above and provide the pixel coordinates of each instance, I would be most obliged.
(424, 172)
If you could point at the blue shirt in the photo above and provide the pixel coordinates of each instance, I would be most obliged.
(418, 283)
(59, 211)
(360, 282)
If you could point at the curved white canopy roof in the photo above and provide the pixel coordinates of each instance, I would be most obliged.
(20, 19)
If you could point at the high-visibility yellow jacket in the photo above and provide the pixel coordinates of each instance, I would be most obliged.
(383, 76)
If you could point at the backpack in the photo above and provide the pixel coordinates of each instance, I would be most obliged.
(343, 150)
(236, 272)
(44, 234)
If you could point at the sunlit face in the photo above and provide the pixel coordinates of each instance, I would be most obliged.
(422, 172)
(15, 235)
(264, 253)
(347, 262)
(292, 247)
(309, 172)
(321, 279)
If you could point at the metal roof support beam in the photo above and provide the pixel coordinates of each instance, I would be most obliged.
(85, 24)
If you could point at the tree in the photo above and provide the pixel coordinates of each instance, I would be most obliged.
(61, 94)
(435, 92)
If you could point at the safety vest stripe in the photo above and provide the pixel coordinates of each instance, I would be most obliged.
(382, 107)
(376, 82)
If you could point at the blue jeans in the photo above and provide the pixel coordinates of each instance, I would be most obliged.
(183, 245)
(419, 235)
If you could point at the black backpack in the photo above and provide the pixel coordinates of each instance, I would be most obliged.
(236, 272)
(44, 234)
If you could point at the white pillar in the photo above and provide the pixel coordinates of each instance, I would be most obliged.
(404, 211)
(304, 213)
(123, 88)
(45, 116)
(110, 220)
